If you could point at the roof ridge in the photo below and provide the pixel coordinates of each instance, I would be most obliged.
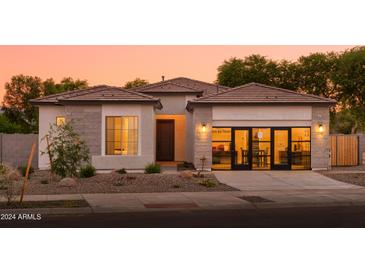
(222, 92)
(105, 87)
(172, 79)
(199, 81)
(142, 88)
(265, 86)
(67, 92)
(292, 91)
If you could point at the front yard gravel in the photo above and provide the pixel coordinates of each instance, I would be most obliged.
(350, 178)
(125, 183)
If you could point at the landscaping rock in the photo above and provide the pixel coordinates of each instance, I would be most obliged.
(186, 174)
(67, 182)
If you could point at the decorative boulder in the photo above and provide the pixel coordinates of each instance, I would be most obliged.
(67, 182)
(186, 174)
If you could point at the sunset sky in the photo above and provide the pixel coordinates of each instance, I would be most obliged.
(115, 65)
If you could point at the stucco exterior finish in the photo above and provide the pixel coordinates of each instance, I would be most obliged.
(320, 149)
(146, 138)
(47, 117)
(262, 113)
(173, 103)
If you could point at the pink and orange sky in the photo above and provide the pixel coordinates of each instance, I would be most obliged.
(114, 65)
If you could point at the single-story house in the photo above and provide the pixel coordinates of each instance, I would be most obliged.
(253, 127)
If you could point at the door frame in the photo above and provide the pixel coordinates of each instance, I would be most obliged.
(233, 141)
(280, 167)
(173, 138)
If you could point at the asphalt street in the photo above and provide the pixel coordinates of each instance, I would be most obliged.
(346, 216)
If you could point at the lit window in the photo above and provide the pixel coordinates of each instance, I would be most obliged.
(60, 120)
(121, 135)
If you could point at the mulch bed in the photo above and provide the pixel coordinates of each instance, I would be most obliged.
(125, 183)
(45, 204)
(350, 178)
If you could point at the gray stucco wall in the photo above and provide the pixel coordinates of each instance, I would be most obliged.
(87, 123)
(202, 140)
(320, 148)
(15, 149)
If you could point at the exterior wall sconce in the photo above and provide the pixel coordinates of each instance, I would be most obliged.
(320, 128)
(204, 127)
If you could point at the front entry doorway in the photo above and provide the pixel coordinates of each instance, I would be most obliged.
(165, 136)
(241, 153)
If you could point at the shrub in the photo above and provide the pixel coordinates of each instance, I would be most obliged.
(67, 149)
(10, 185)
(44, 182)
(87, 171)
(3, 169)
(23, 170)
(208, 183)
(121, 171)
(152, 168)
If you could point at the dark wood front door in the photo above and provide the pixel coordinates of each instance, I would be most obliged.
(165, 140)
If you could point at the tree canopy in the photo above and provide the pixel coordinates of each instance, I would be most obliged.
(340, 76)
(138, 82)
(21, 89)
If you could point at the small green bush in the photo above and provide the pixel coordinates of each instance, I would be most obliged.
(24, 170)
(208, 183)
(3, 169)
(87, 171)
(152, 168)
(121, 171)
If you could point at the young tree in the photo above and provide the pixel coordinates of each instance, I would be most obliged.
(138, 82)
(67, 149)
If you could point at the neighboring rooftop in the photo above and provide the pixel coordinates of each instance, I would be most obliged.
(183, 85)
(259, 93)
(102, 93)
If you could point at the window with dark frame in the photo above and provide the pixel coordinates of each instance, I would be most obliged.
(121, 135)
(301, 148)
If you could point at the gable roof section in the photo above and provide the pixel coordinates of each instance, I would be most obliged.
(102, 93)
(261, 94)
(166, 86)
(189, 84)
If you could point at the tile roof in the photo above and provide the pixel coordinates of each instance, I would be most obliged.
(102, 93)
(177, 85)
(259, 93)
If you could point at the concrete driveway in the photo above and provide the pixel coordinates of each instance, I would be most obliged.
(279, 180)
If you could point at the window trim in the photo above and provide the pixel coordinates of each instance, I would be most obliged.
(106, 136)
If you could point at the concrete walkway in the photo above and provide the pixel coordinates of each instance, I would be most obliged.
(279, 180)
(137, 202)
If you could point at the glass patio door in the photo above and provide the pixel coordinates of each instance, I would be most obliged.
(281, 149)
(241, 153)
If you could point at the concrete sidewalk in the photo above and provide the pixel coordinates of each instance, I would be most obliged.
(145, 202)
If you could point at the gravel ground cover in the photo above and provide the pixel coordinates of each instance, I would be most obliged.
(125, 183)
(350, 178)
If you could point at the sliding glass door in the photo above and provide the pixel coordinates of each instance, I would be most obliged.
(241, 154)
(281, 148)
